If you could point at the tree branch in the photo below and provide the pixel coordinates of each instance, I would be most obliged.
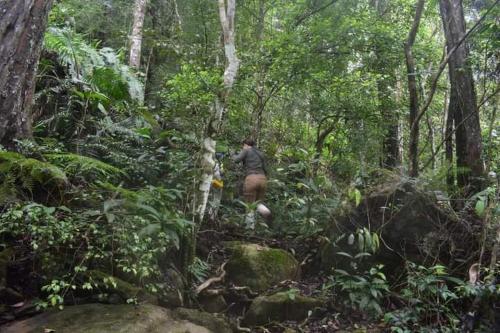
(443, 64)
(299, 20)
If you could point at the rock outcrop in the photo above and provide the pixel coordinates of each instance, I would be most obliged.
(101, 318)
(412, 223)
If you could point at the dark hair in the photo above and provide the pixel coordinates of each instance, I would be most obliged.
(249, 142)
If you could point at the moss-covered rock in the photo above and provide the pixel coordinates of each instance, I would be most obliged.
(260, 267)
(101, 318)
(215, 323)
(280, 307)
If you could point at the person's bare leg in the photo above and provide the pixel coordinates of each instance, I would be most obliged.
(250, 194)
(262, 209)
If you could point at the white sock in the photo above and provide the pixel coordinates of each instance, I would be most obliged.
(263, 210)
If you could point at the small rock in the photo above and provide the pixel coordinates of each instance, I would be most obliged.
(213, 322)
(212, 303)
(27, 310)
(280, 307)
(172, 293)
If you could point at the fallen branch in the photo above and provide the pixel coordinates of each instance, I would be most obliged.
(212, 280)
(214, 292)
(245, 288)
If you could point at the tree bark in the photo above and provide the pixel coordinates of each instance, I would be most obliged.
(447, 135)
(390, 145)
(391, 149)
(226, 15)
(207, 151)
(412, 89)
(22, 25)
(136, 36)
(463, 104)
(432, 144)
(489, 152)
(260, 75)
(321, 135)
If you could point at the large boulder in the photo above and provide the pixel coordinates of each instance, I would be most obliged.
(413, 223)
(260, 267)
(102, 318)
(280, 307)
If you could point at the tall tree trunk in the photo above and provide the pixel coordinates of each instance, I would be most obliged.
(390, 145)
(260, 103)
(493, 119)
(450, 175)
(136, 36)
(430, 129)
(22, 24)
(207, 162)
(448, 128)
(321, 135)
(226, 15)
(412, 89)
(463, 104)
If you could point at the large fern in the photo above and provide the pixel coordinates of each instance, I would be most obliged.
(74, 164)
(101, 69)
(26, 172)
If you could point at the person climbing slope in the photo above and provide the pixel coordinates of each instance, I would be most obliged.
(255, 184)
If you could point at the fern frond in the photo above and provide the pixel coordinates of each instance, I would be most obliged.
(29, 170)
(102, 69)
(7, 190)
(74, 164)
(124, 193)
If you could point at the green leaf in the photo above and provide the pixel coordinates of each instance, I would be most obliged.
(480, 207)
(361, 242)
(361, 255)
(376, 242)
(344, 254)
(357, 197)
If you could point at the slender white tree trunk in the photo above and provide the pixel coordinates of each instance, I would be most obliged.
(177, 15)
(227, 9)
(136, 36)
